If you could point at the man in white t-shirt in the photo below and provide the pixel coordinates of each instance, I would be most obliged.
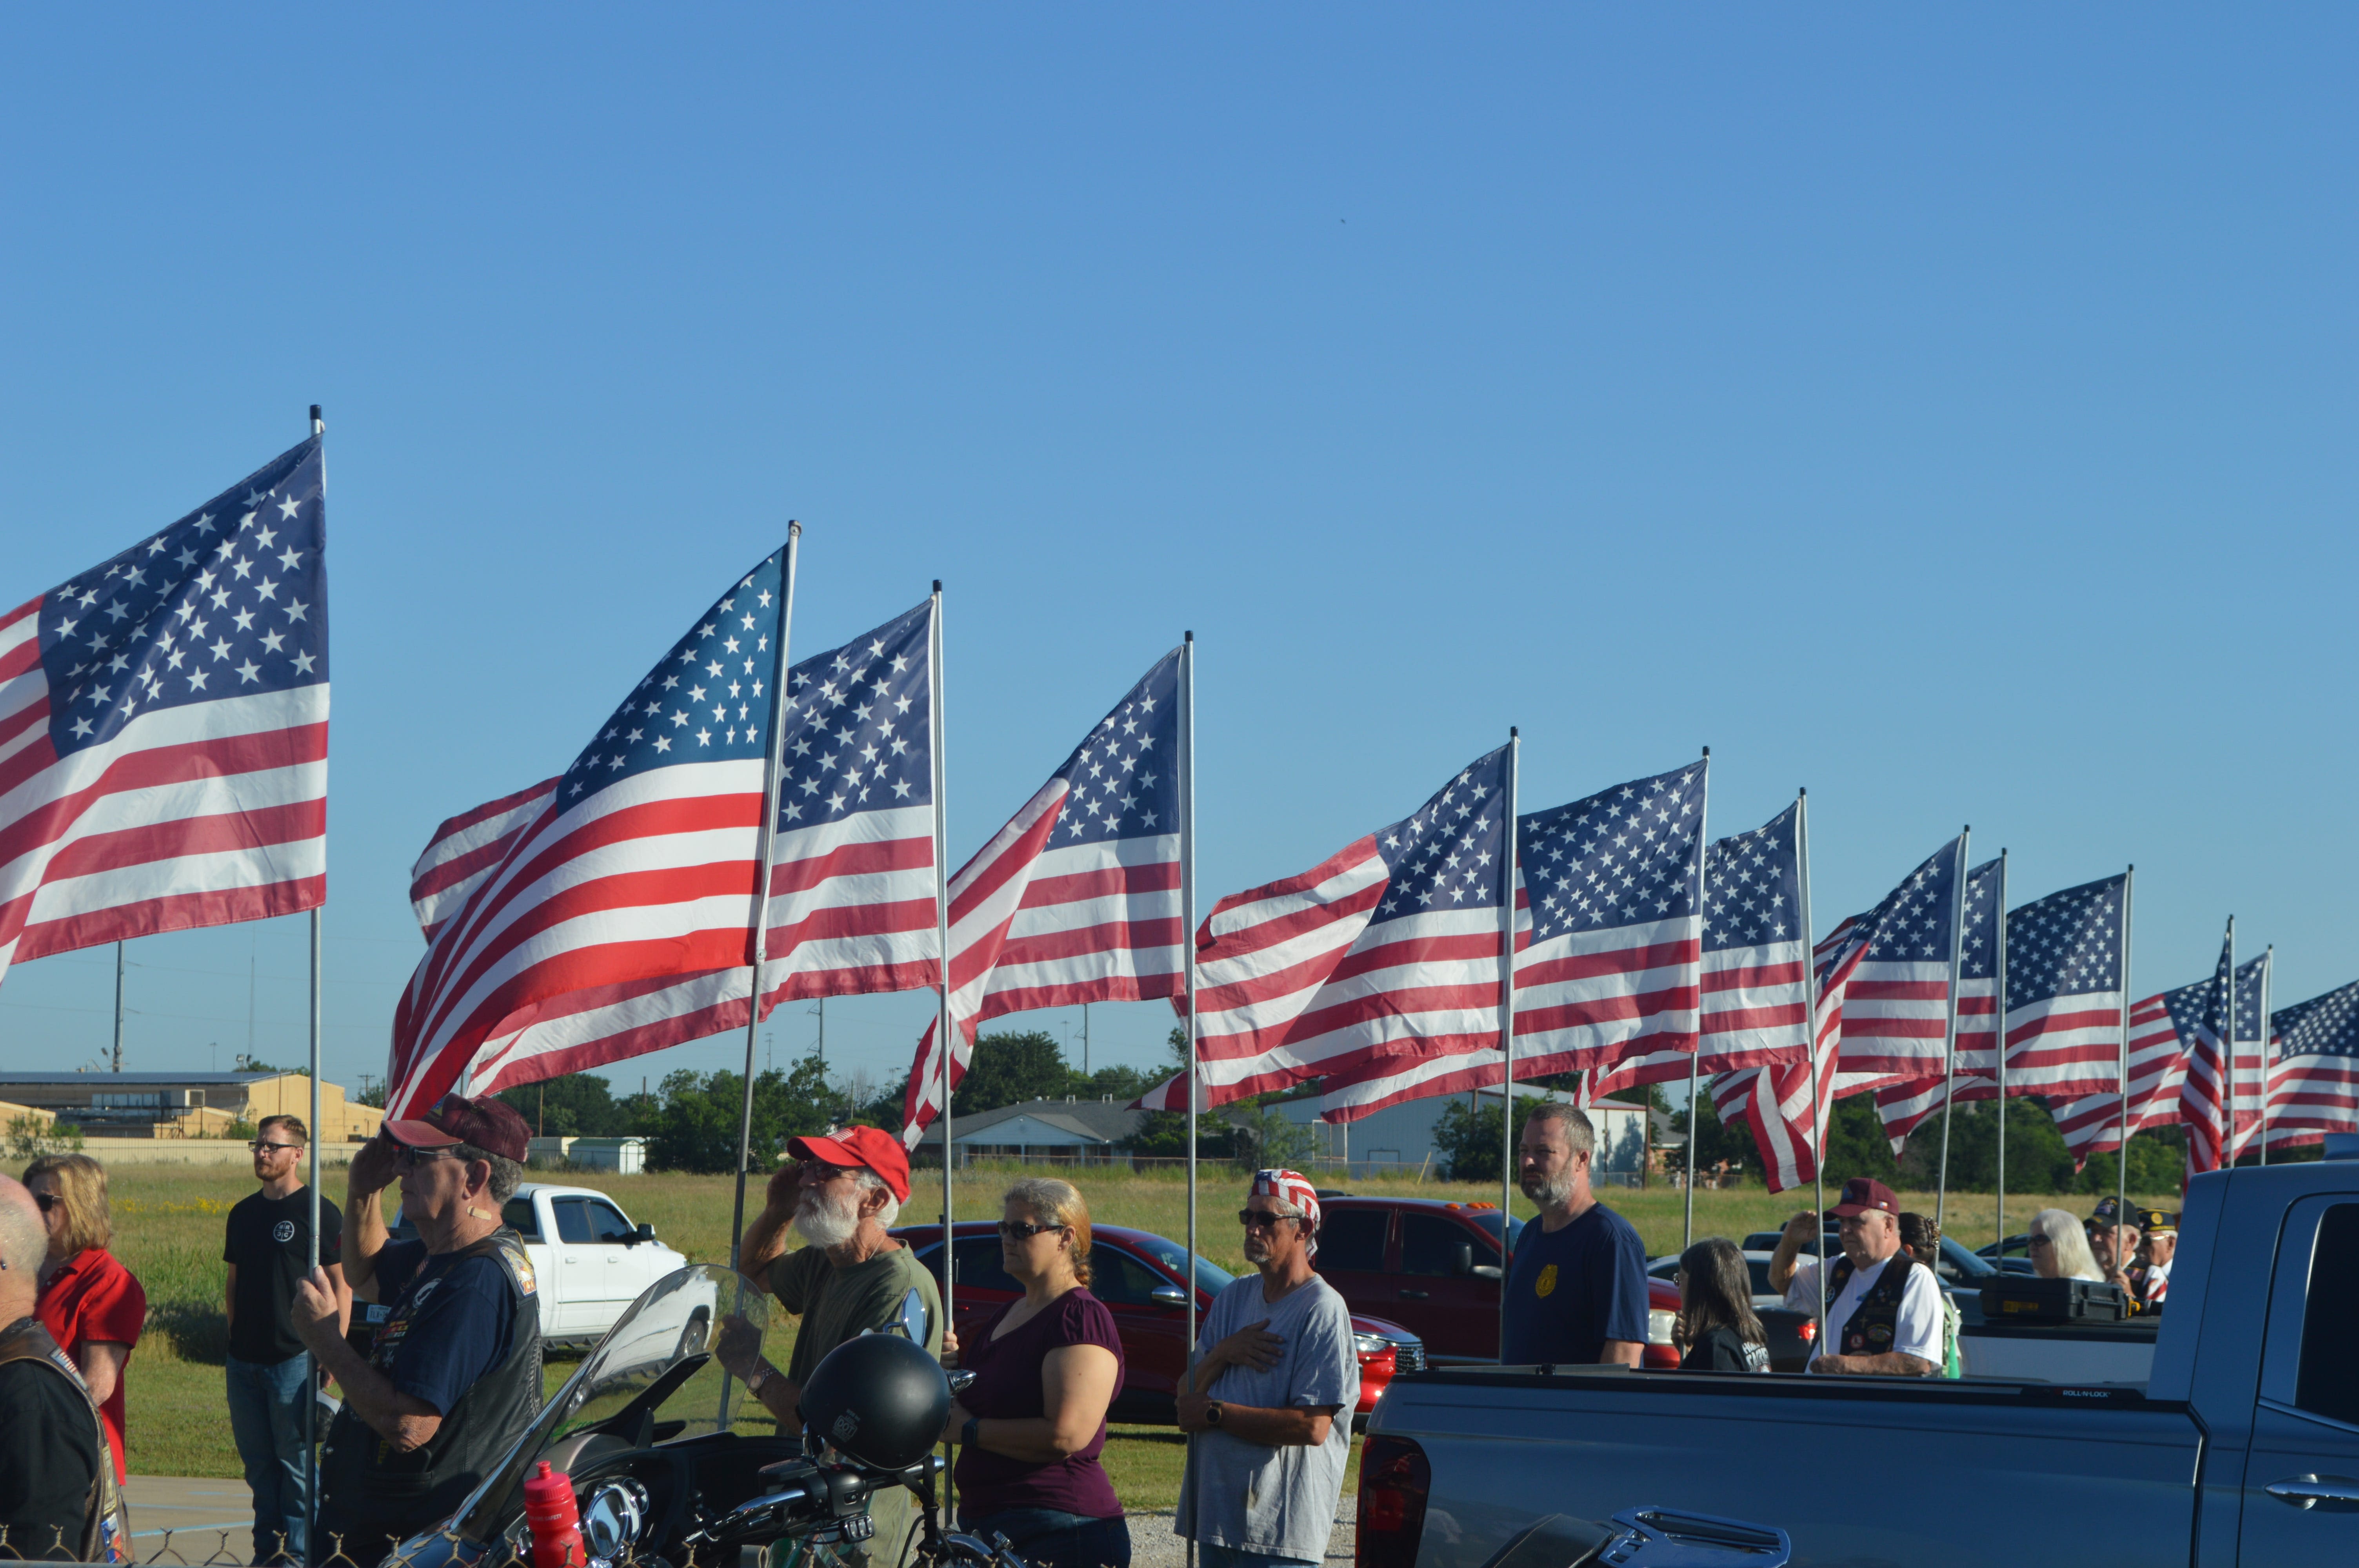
(1884, 1308)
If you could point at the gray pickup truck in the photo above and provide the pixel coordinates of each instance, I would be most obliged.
(2241, 1446)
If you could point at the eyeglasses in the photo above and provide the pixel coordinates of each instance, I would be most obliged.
(258, 1146)
(1254, 1219)
(2039, 1241)
(822, 1170)
(407, 1159)
(1015, 1229)
(47, 1201)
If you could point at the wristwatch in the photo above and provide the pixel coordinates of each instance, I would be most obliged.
(971, 1434)
(759, 1377)
(1213, 1413)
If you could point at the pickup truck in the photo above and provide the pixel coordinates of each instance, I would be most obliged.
(590, 1260)
(2239, 1447)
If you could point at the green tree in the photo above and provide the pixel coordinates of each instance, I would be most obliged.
(579, 1105)
(1468, 1138)
(694, 1128)
(1009, 1069)
(1163, 1134)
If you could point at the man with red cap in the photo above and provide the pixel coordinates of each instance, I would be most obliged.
(840, 1193)
(453, 1376)
(1883, 1307)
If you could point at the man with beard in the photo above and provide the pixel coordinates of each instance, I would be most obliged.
(2151, 1277)
(2114, 1243)
(840, 1193)
(1577, 1286)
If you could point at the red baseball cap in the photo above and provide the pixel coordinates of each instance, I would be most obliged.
(1862, 1194)
(488, 1124)
(868, 1147)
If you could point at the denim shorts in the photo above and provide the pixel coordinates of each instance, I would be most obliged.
(1050, 1538)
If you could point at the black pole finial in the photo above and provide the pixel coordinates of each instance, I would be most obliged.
(1186, 636)
(315, 421)
(1513, 732)
(938, 585)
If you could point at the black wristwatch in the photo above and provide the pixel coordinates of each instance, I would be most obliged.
(971, 1434)
(1213, 1413)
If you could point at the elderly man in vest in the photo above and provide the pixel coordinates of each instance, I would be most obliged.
(58, 1496)
(1884, 1308)
(453, 1375)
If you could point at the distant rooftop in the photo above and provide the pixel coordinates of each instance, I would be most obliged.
(129, 1078)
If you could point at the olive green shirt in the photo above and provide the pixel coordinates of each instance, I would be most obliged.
(835, 1304)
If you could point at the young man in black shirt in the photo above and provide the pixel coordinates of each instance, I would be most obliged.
(269, 1249)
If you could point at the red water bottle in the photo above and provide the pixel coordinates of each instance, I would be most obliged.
(555, 1523)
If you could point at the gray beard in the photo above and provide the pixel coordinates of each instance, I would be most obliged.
(823, 1222)
(1548, 1194)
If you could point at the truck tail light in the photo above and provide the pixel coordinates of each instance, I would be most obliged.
(1394, 1480)
(1808, 1329)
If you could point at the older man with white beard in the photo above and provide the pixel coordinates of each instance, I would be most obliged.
(840, 1192)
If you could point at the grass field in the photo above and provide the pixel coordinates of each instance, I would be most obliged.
(168, 1223)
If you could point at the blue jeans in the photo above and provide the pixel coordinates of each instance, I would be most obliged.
(266, 1417)
(1050, 1538)
(1209, 1555)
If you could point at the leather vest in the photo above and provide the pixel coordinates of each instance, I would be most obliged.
(106, 1523)
(368, 1483)
(1875, 1322)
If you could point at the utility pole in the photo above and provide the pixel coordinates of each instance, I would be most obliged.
(1085, 1040)
(119, 1007)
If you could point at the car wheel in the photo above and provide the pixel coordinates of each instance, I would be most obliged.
(691, 1338)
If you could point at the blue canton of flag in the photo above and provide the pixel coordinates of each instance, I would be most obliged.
(1978, 950)
(1125, 778)
(859, 727)
(2323, 1026)
(1627, 857)
(1756, 887)
(2066, 943)
(2314, 1084)
(1451, 854)
(708, 701)
(1912, 923)
(230, 600)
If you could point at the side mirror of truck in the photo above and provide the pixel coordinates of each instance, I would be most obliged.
(1464, 1264)
(645, 1233)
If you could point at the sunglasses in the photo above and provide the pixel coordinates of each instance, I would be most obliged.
(1253, 1219)
(1016, 1230)
(47, 1201)
(258, 1146)
(407, 1159)
(2040, 1242)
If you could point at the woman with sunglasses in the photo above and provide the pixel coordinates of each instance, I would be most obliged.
(89, 1304)
(2059, 1247)
(1047, 1366)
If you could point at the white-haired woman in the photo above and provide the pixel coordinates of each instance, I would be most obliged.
(2059, 1247)
(1032, 1425)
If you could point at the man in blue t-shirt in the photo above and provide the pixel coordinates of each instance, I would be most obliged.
(1576, 1289)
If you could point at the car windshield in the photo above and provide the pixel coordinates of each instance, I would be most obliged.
(1487, 1219)
(1211, 1277)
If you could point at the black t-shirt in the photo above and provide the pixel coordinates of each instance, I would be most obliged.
(49, 1460)
(461, 1321)
(1723, 1349)
(270, 1242)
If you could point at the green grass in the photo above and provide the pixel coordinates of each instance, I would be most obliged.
(168, 1222)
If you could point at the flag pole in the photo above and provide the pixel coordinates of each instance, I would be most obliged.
(1507, 1038)
(1695, 1060)
(1188, 983)
(2227, 1027)
(310, 1379)
(1950, 1031)
(942, 938)
(2122, 1152)
(1810, 1061)
(2001, 1049)
(2268, 963)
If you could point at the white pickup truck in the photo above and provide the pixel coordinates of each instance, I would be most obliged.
(591, 1261)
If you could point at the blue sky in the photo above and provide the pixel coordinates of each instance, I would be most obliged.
(1948, 412)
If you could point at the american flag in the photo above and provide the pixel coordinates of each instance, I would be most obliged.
(1077, 899)
(2253, 1052)
(2066, 957)
(1389, 947)
(1902, 1106)
(2314, 1078)
(467, 849)
(2203, 1024)
(1775, 1102)
(1756, 987)
(1607, 949)
(164, 727)
(1896, 1000)
(617, 920)
(2091, 1124)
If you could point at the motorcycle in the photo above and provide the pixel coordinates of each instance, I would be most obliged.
(673, 1466)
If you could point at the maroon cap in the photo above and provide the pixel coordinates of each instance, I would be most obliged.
(867, 1146)
(1862, 1194)
(491, 1125)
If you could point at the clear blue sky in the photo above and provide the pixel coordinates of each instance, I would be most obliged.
(1949, 412)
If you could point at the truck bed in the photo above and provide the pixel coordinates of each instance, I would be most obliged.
(2101, 1475)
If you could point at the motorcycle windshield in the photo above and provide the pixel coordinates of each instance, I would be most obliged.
(655, 1376)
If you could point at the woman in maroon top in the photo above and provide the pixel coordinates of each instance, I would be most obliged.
(1032, 1425)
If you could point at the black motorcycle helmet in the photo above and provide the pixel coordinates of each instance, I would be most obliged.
(880, 1399)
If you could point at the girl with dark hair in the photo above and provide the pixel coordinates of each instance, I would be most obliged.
(1724, 1335)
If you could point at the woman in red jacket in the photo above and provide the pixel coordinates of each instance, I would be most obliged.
(89, 1304)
